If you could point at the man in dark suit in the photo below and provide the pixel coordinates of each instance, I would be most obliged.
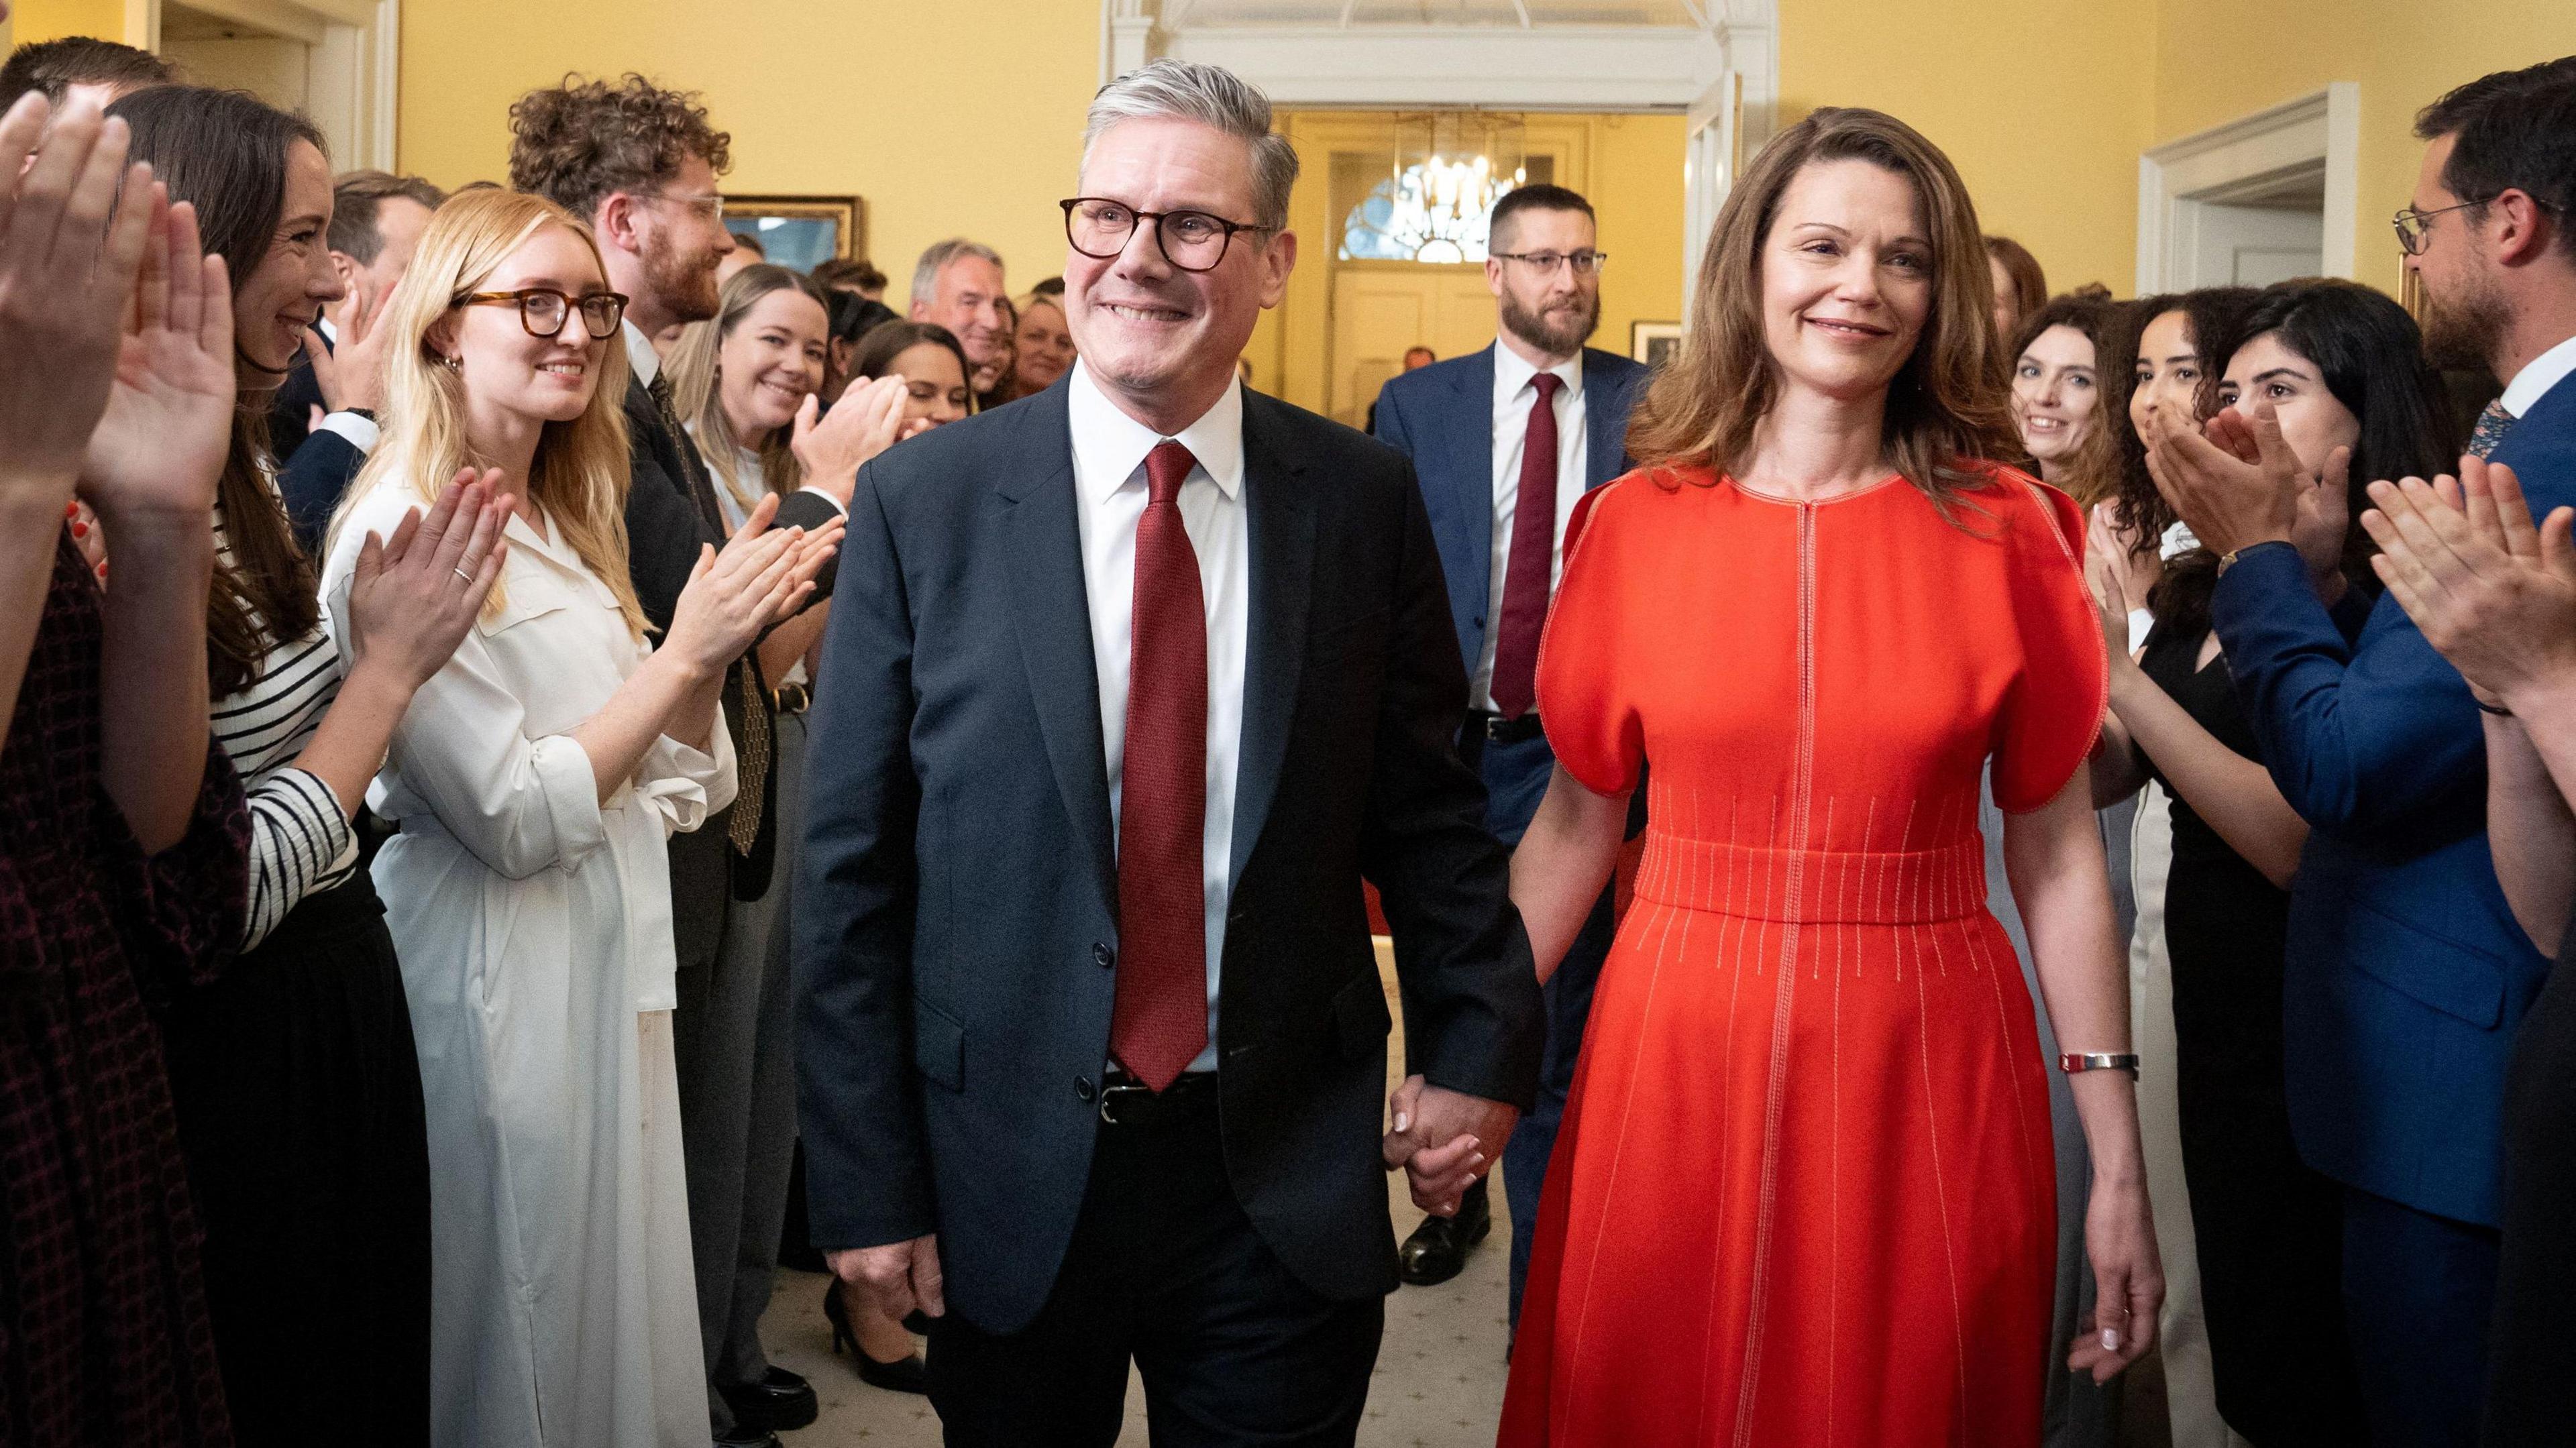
(376, 223)
(2408, 974)
(1504, 441)
(1131, 684)
(649, 194)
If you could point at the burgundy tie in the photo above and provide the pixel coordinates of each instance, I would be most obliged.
(1159, 1024)
(1531, 568)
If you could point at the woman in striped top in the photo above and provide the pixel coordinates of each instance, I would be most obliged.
(295, 1078)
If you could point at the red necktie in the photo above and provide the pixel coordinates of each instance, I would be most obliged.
(1531, 570)
(1159, 1024)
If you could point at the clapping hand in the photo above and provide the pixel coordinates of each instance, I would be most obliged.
(865, 422)
(1444, 1140)
(760, 577)
(413, 595)
(2241, 484)
(159, 449)
(2494, 593)
(74, 221)
(353, 376)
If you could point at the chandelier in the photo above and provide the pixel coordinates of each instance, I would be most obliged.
(1448, 170)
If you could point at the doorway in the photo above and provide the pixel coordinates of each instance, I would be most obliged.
(2252, 234)
(2261, 199)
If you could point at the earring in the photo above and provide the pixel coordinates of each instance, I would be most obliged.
(452, 363)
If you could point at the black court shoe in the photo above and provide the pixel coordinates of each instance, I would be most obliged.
(903, 1375)
(1437, 1250)
(778, 1403)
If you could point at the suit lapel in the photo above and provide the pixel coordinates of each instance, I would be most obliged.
(1605, 422)
(1052, 613)
(1280, 529)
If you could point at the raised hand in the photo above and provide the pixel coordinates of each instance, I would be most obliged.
(1444, 1140)
(2229, 502)
(760, 577)
(72, 237)
(413, 595)
(354, 374)
(159, 449)
(2496, 595)
(865, 422)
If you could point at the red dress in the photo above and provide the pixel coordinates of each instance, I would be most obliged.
(1804, 1192)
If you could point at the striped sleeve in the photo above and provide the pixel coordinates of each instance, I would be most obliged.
(300, 839)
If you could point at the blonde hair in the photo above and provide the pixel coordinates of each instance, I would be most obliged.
(697, 386)
(1946, 410)
(580, 472)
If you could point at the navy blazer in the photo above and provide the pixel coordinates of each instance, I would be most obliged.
(2407, 974)
(1442, 417)
(955, 920)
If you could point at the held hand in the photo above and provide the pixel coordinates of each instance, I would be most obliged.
(74, 223)
(160, 447)
(2228, 502)
(1445, 1140)
(865, 422)
(897, 1277)
(413, 596)
(2494, 594)
(2128, 1278)
(354, 375)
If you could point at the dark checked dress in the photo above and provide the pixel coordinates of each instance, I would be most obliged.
(103, 1337)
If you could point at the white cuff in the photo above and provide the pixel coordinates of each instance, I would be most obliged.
(2140, 621)
(361, 432)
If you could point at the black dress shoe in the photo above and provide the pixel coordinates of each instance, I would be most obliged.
(907, 1374)
(1437, 1250)
(742, 1437)
(780, 1402)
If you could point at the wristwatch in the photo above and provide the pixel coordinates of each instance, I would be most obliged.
(2074, 1062)
(2227, 560)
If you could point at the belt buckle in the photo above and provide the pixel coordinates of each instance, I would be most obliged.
(1494, 726)
(1114, 1091)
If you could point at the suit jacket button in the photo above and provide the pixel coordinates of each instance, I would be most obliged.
(1082, 1087)
(1103, 956)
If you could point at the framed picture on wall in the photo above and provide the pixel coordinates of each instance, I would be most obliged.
(1652, 342)
(799, 231)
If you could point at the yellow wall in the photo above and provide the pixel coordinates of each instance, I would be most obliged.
(2402, 53)
(36, 20)
(943, 128)
(2041, 104)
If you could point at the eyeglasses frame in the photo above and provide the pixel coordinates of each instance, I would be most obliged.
(1530, 259)
(1156, 217)
(2414, 245)
(572, 308)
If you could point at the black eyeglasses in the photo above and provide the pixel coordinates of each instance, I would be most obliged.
(1586, 263)
(543, 310)
(1194, 241)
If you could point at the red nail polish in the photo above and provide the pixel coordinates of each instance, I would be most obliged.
(79, 528)
(72, 509)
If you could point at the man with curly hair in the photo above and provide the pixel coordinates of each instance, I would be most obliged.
(639, 163)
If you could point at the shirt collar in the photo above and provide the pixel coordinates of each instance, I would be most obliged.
(1109, 446)
(640, 353)
(2538, 376)
(1512, 372)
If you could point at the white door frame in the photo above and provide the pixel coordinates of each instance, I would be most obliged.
(353, 76)
(2177, 177)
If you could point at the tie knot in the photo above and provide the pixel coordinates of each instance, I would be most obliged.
(1166, 468)
(1547, 383)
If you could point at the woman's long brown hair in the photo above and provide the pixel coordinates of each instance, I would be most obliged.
(1946, 410)
(226, 151)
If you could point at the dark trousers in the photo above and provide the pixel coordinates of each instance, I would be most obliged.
(1164, 1268)
(2418, 1292)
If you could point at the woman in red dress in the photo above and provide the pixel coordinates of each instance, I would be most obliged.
(1804, 1192)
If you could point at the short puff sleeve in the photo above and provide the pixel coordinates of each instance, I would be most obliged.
(2053, 715)
(1591, 724)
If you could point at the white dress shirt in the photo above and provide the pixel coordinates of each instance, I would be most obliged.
(1515, 392)
(1109, 449)
(2539, 375)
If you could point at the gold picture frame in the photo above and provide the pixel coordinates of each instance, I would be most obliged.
(1653, 342)
(801, 231)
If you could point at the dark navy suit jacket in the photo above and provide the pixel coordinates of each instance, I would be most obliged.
(956, 929)
(2407, 974)
(1442, 417)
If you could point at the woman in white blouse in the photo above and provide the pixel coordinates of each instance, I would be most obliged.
(535, 779)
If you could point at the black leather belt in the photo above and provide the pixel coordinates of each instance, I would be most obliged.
(1499, 730)
(1126, 1101)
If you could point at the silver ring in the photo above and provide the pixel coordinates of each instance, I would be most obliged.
(461, 573)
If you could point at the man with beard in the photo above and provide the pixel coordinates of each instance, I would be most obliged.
(1505, 441)
(640, 164)
(2408, 975)
(957, 284)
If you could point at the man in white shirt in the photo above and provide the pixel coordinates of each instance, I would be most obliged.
(1128, 687)
(1506, 441)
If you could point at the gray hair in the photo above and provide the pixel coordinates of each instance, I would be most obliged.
(925, 272)
(1212, 96)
